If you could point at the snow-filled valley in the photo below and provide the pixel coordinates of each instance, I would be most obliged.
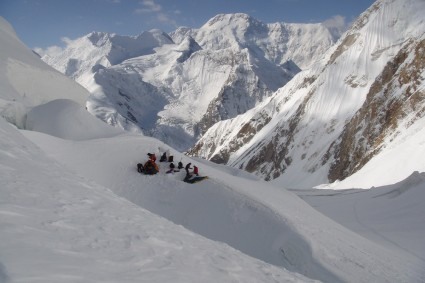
(73, 207)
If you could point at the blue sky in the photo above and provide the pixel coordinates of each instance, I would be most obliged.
(44, 23)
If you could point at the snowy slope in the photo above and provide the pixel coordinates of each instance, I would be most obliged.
(26, 81)
(386, 215)
(57, 226)
(328, 122)
(70, 121)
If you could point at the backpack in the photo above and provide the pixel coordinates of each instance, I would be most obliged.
(170, 158)
(163, 158)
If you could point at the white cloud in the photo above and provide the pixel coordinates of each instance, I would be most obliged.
(337, 25)
(49, 51)
(66, 40)
(336, 22)
(163, 18)
(150, 6)
(54, 50)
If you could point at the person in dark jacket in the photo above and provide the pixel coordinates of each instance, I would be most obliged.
(187, 169)
(172, 168)
(140, 168)
(163, 157)
(180, 165)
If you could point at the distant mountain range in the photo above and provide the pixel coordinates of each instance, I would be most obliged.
(175, 87)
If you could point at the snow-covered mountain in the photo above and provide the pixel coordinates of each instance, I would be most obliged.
(74, 209)
(278, 42)
(84, 56)
(175, 89)
(363, 101)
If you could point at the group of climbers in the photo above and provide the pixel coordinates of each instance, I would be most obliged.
(151, 168)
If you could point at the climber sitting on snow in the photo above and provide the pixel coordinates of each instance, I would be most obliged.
(150, 167)
(172, 170)
(195, 170)
(192, 178)
(187, 168)
(163, 157)
(152, 156)
(180, 165)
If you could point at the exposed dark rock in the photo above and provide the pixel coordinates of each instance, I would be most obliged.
(379, 116)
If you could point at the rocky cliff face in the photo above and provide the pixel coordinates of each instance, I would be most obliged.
(395, 100)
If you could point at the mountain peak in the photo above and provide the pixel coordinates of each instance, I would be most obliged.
(99, 38)
(187, 47)
(160, 36)
(236, 18)
(225, 17)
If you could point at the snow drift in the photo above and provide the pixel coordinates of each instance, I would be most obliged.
(68, 120)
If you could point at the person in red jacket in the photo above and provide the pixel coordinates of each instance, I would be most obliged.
(195, 170)
(152, 156)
